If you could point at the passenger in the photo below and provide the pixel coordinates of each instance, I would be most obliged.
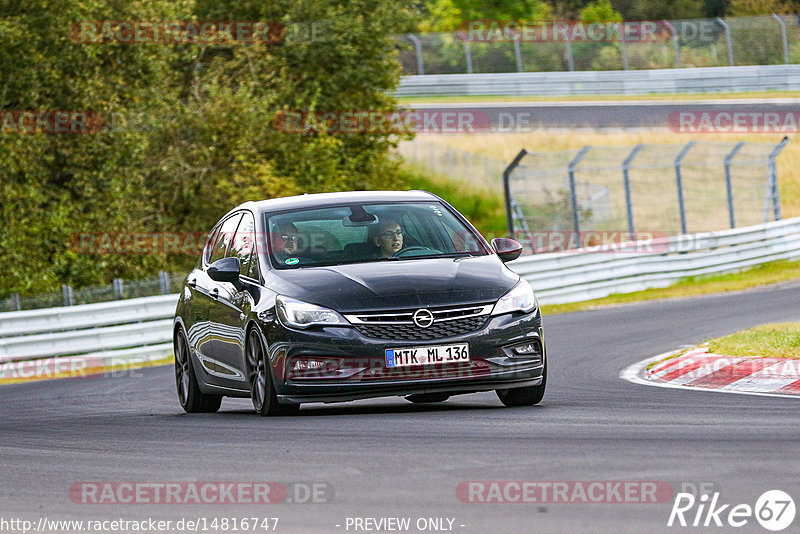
(388, 238)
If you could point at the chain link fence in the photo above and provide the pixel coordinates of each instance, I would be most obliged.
(663, 190)
(118, 290)
(758, 40)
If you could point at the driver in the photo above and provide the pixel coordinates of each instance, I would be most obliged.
(288, 242)
(388, 238)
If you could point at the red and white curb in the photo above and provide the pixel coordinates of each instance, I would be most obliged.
(697, 369)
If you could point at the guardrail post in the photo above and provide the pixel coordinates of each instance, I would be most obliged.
(676, 45)
(507, 190)
(163, 279)
(69, 296)
(728, 182)
(570, 59)
(773, 177)
(518, 55)
(117, 285)
(626, 176)
(576, 216)
(679, 182)
(727, 40)
(468, 56)
(418, 48)
(16, 305)
(785, 38)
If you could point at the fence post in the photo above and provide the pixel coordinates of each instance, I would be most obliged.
(163, 279)
(679, 182)
(773, 177)
(576, 217)
(727, 40)
(728, 182)
(507, 190)
(570, 59)
(16, 305)
(418, 47)
(626, 176)
(117, 285)
(785, 39)
(69, 296)
(468, 56)
(518, 55)
(676, 45)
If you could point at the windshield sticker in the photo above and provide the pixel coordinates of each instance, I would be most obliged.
(292, 261)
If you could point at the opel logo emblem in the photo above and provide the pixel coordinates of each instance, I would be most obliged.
(423, 318)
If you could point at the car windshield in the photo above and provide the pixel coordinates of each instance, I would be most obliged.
(357, 233)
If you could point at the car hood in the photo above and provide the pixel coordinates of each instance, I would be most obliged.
(398, 284)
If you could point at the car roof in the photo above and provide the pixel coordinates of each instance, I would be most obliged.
(318, 200)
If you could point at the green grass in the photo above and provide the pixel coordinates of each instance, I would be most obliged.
(536, 98)
(485, 209)
(768, 273)
(780, 340)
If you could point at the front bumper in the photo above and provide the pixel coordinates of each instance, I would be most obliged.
(356, 367)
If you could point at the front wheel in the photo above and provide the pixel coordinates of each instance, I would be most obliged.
(527, 396)
(189, 395)
(262, 390)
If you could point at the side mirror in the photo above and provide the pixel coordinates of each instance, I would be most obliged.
(507, 249)
(224, 270)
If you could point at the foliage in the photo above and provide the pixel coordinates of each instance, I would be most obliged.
(192, 132)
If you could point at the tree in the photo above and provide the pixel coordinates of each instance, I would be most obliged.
(740, 8)
(449, 15)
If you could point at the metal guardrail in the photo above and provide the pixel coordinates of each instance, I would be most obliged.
(113, 333)
(589, 273)
(557, 277)
(641, 82)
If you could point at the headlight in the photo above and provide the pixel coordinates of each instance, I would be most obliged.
(519, 298)
(301, 314)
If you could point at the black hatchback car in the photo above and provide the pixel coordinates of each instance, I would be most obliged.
(342, 296)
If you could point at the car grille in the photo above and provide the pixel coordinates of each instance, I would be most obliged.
(448, 322)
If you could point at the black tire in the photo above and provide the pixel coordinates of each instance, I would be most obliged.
(189, 395)
(527, 396)
(259, 376)
(426, 398)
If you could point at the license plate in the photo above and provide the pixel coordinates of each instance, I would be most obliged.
(427, 355)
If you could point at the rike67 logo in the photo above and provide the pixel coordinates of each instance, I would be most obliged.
(774, 510)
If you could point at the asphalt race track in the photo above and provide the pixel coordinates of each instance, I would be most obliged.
(389, 458)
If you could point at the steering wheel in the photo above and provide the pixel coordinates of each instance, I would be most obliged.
(412, 248)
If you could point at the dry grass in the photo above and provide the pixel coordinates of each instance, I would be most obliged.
(506, 146)
(771, 340)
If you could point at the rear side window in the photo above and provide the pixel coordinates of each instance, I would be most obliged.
(224, 238)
